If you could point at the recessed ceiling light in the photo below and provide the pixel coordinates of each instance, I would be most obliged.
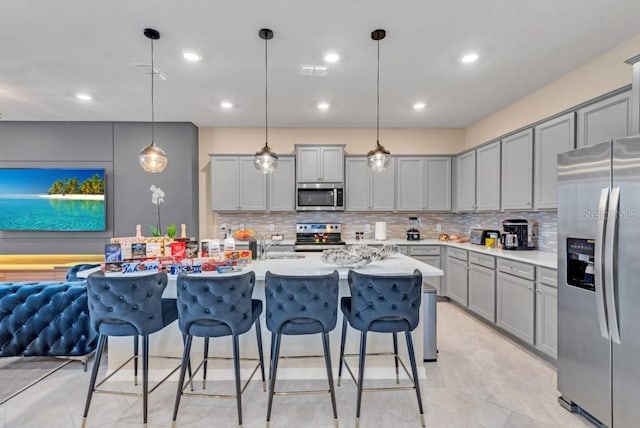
(419, 106)
(470, 57)
(323, 106)
(332, 57)
(83, 97)
(192, 56)
(226, 105)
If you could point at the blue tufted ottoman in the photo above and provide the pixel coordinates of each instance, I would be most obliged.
(45, 319)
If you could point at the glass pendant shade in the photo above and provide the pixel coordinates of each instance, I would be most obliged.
(153, 159)
(265, 160)
(378, 158)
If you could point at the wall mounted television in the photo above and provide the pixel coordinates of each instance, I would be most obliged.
(52, 199)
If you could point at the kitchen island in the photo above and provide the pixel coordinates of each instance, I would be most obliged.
(168, 342)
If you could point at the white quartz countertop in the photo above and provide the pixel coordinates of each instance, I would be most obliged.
(311, 264)
(534, 257)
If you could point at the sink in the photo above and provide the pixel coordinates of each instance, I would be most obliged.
(284, 256)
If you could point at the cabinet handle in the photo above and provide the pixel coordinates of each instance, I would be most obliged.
(538, 292)
(530, 288)
(524, 272)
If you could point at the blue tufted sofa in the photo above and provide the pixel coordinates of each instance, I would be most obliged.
(48, 318)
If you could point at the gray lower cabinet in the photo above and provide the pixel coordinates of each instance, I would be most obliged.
(515, 306)
(236, 185)
(366, 190)
(457, 281)
(466, 181)
(488, 177)
(282, 193)
(429, 254)
(550, 138)
(605, 120)
(482, 286)
(517, 171)
(547, 312)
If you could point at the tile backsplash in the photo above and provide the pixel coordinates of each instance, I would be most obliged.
(397, 223)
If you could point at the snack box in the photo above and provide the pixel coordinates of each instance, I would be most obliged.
(146, 266)
(112, 253)
(191, 249)
(138, 250)
(178, 250)
(154, 249)
(113, 267)
(238, 255)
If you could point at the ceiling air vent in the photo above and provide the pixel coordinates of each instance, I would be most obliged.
(146, 70)
(312, 70)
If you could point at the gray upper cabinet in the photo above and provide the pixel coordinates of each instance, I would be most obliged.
(366, 190)
(605, 120)
(517, 171)
(466, 181)
(438, 184)
(282, 194)
(236, 185)
(550, 138)
(410, 183)
(320, 163)
(423, 183)
(488, 177)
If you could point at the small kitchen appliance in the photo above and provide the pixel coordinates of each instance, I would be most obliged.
(318, 236)
(479, 236)
(519, 234)
(413, 234)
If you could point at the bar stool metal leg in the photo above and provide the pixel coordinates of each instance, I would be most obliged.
(395, 355)
(204, 366)
(260, 354)
(236, 369)
(342, 341)
(274, 370)
(186, 358)
(363, 354)
(145, 379)
(94, 376)
(414, 370)
(135, 360)
(327, 359)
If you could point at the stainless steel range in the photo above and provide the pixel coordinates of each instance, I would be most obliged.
(318, 236)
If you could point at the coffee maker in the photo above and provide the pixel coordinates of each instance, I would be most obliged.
(519, 234)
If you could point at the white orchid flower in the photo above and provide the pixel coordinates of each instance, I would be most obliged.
(158, 195)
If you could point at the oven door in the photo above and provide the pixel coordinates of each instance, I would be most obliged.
(320, 197)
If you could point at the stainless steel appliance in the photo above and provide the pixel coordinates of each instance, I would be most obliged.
(598, 288)
(318, 236)
(519, 234)
(479, 236)
(430, 335)
(320, 197)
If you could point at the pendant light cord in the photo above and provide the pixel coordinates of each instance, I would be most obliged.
(378, 99)
(152, 108)
(266, 96)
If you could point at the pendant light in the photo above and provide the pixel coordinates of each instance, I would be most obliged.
(265, 160)
(378, 158)
(152, 158)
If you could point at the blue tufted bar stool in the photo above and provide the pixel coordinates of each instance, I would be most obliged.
(217, 306)
(299, 305)
(383, 304)
(127, 306)
(72, 272)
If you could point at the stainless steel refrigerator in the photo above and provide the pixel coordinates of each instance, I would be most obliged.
(599, 281)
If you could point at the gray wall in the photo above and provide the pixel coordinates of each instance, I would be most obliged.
(115, 147)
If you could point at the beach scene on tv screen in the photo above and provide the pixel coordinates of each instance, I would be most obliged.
(52, 199)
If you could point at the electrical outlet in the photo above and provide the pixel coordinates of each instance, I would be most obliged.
(223, 226)
(241, 226)
(438, 227)
(367, 228)
(272, 227)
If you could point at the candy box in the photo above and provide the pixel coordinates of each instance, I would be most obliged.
(146, 266)
(154, 249)
(112, 253)
(113, 267)
(178, 250)
(138, 250)
(238, 255)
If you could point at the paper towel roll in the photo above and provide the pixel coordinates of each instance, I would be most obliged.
(381, 231)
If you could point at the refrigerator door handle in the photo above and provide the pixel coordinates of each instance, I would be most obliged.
(611, 243)
(598, 256)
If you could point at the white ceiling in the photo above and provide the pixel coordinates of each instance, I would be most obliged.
(51, 50)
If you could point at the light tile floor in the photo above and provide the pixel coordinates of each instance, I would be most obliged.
(481, 379)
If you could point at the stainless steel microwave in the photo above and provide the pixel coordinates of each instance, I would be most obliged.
(320, 197)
